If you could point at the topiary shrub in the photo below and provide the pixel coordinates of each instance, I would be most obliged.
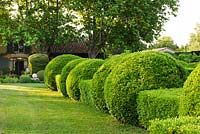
(65, 72)
(54, 67)
(37, 62)
(25, 79)
(183, 125)
(83, 71)
(190, 100)
(40, 75)
(137, 72)
(157, 104)
(57, 79)
(99, 79)
(85, 87)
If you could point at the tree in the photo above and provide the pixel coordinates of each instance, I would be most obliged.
(165, 41)
(123, 24)
(194, 43)
(42, 23)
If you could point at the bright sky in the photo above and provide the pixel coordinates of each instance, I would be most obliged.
(181, 26)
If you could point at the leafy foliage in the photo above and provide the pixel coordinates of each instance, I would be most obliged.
(25, 79)
(85, 87)
(139, 71)
(157, 104)
(37, 62)
(165, 41)
(65, 72)
(190, 100)
(83, 71)
(99, 79)
(40, 75)
(54, 67)
(183, 125)
(57, 79)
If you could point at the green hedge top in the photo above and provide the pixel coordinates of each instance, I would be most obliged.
(83, 71)
(183, 125)
(157, 104)
(65, 72)
(54, 67)
(139, 71)
(99, 79)
(37, 62)
(190, 100)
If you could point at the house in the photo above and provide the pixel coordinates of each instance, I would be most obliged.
(14, 57)
(166, 50)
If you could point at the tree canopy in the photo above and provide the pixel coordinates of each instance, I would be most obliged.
(104, 25)
(194, 43)
(165, 41)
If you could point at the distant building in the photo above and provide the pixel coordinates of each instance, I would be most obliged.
(165, 49)
(14, 57)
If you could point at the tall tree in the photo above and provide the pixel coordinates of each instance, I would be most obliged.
(123, 24)
(194, 43)
(165, 41)
(43, 23)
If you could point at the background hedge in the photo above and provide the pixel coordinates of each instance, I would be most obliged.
(54, 67)
(40, 75)
(139, 71)
(65, 72)
(99, 79)
(85, 87)
(37, 62)
(157, 104)
(183, 125)
(83, 71)
(190, 100)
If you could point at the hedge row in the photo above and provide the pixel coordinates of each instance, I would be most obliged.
(54, 67)
(160, 104)
(83, 71)
(65, 72)
(140, 71)
(183, 125)
(118, 85)
(85, 87)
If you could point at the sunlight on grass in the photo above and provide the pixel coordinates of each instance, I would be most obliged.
(37, 110)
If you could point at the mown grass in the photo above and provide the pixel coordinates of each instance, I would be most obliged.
(33, 109)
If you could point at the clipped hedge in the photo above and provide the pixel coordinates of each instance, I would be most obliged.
(65, 72)
(58, 79)
(54, 67)
(85, 87)
(37, 62)
(190, 100)
(137, 72)
(40, 75)
(25, 79)
(83, 71)
(99, 79)
(160, 104)
(183, 125)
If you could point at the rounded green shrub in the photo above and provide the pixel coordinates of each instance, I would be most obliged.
(99, 79)
(40, 75)
(54, 67)
(83, 71)
(25, 79)
(37, 62)
(65, 72)
(190, 99)
(139, 71)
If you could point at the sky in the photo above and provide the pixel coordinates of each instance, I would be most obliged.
(181, 26)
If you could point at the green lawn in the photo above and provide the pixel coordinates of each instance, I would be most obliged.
(33, 109)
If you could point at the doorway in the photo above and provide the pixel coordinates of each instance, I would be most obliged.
(19, 67)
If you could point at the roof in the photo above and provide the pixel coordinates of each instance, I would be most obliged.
(165, 49)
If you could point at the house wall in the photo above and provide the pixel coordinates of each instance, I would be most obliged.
(4, 62)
